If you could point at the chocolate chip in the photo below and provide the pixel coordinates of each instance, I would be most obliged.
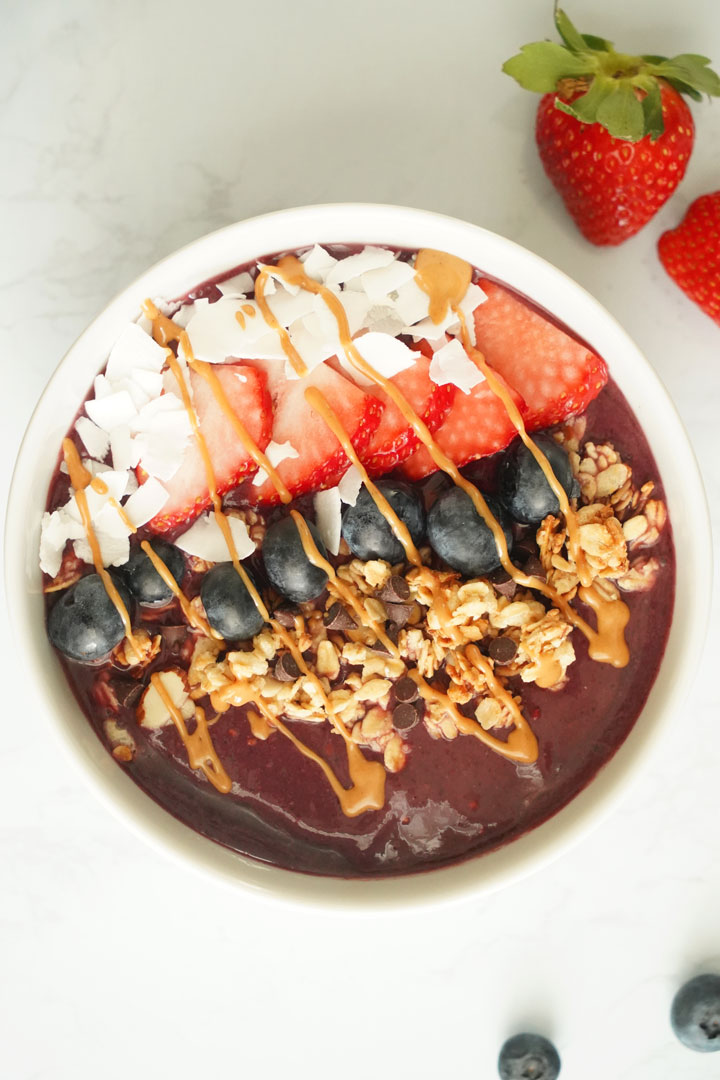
(337, 618)
(286, 669)
(503, 583)
(534, 568)
(405, 716)
(395, 590)
(286, 616)
(502, 650)
(405, 690)
(398, 614)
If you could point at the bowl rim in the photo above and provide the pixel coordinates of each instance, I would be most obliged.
(365, 223)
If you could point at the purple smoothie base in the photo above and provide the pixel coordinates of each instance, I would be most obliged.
(453, 800)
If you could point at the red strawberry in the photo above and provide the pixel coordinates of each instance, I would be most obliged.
(691, 253)
(394, 440)
(476, 425)
(188, 493)
(554, 374)
(613, 132)
(321, 460)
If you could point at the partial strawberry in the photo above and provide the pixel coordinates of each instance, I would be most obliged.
(477, 425)
(613, 131)
(394, 439)
(321, 461)
(691, 253)
(188, 492)
(555, 375)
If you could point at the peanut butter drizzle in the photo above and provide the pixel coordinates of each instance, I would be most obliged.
(337, 586)
(287, 346)
(199, 746)
(550, 672)
(321, 405)
(260, 726)
(80, 478)
(444, 278)
(521, 744)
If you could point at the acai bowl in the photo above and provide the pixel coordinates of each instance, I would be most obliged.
(430, 642)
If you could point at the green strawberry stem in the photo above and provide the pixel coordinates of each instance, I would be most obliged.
(619, 91)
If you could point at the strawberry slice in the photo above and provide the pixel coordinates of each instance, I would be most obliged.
(394, 440)
(188, 492)
(476, 425)
(321, 461)
(556, 375)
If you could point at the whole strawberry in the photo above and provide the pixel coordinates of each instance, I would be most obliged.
(613, 131)
(691, 253)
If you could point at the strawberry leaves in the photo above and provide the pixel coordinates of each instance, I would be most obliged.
(620, 92)
(539, 67)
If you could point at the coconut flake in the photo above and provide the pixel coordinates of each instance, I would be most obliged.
(350, 484)
(275, 453)
(378, 284)
(150, 382)
(287, 306)
(183, 315)
(386, 354)
(317, 263)
(55, 530)
(139, 396)
(370, 258)
(123, 450)
(356, 306)
(239, 285)
(412, 303)
(146, 502)
(472, 299)
(313, 348)
(102, 387)
(134, 349)
(451, 364)
(383, 319)
(205, 539)
(328, 518)
(114, 550)
(95, 440)
(429, 330)
(108, 412)
(215, 333)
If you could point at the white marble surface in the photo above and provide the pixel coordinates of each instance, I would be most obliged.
(125, 131)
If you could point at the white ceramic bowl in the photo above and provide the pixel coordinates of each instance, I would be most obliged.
(527, 273)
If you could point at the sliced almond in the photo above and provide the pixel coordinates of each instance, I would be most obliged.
(153, 713)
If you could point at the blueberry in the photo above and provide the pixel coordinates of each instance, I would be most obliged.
(368, 533)
(229, 607)
(523, 487)
(695, 1013)
(528, 1057)
(84, 624)
(286, 564)
(143, 580)
(459, 535)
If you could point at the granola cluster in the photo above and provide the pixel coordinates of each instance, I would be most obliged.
(619, 521)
